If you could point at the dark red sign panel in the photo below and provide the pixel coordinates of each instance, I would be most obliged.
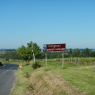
(54, 47)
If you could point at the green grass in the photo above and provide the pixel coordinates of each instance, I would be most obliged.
(23, 78)
(2, 52)
(83, 77)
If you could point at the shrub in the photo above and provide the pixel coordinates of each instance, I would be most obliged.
(36, 65)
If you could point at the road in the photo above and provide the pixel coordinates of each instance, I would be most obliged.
(7, 78)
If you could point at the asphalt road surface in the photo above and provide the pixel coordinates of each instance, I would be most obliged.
(7, 78)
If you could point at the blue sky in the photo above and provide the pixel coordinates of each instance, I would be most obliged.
(47, 22)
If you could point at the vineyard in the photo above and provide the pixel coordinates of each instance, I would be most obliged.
(76, 60)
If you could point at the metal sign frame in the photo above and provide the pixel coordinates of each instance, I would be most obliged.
(54, 48)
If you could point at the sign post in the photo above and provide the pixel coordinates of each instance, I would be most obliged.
(53, 48)
(46, 60)
(62, 59)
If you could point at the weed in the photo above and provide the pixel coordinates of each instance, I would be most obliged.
(47, 69)
(64, 67)
(27, 64)
(27, 75)
(30, 86)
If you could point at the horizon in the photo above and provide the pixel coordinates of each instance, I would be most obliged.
(42, 48)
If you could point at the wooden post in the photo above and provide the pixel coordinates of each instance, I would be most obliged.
(71, 59)
(90, 60)
(46, 60)
(62, 59)
(78, 60)
(75, 59)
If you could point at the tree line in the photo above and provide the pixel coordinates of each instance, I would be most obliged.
(70, 53)
(10, 55)
(77, 53)
(26, 53)
(7, 49)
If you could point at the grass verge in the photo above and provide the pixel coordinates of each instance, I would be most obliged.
(23, 77)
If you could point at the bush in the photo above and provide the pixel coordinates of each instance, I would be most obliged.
(36, 65)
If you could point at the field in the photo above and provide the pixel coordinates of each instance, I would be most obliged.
(82, 77)
(2, 52)
(72, 79)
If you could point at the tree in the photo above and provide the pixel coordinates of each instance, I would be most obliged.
(92, 54)
(22, 52)
(82, 54)
(76, 52)
(70, 52)
(86, 51)
(26, 52)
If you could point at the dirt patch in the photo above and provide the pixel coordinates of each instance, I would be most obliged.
(48, 83)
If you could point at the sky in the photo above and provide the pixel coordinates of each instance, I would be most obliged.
(47, 22)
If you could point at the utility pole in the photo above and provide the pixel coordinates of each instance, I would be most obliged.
(33, 53)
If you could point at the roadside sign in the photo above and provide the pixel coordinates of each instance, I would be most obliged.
(54, 47)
